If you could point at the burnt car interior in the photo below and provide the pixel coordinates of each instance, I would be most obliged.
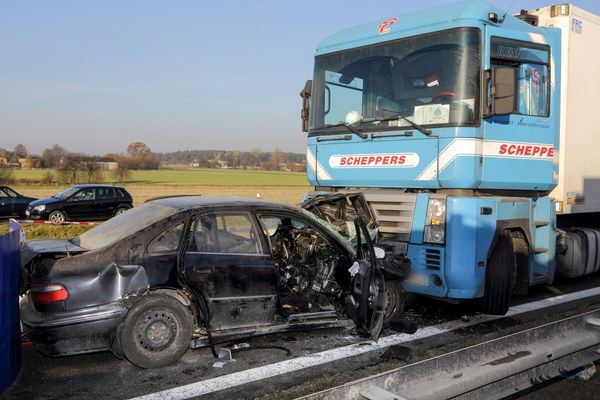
(310, 268)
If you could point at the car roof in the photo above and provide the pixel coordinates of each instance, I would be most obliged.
(92, 185)
(184, 202)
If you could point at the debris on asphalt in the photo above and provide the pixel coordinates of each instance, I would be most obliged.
(397, 352)
(582, 373)
(403, 325)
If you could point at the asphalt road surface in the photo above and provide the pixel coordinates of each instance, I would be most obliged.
(101, 375)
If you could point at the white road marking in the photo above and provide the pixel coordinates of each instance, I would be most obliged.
(285, 367)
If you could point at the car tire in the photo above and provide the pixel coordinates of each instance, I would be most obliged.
(394, 302)
(120, 210)
(157, 331)
(500, 276)
(57, 217)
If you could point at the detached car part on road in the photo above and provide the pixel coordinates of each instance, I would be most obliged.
(81, 202)
(192, 271)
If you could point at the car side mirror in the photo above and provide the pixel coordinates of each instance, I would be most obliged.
(499, 91)
(305, 94)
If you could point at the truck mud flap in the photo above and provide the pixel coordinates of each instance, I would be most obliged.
(582, 256)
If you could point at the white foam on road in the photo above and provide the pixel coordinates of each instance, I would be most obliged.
(285, 367)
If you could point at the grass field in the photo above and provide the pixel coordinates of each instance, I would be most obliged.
(280, 186)
(192, 176)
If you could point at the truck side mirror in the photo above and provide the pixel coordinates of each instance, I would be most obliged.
(305, 94)
(499, 96)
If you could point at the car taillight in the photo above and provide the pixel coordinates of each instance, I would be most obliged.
(49, 293)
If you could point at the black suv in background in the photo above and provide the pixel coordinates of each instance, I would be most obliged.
(81, 202)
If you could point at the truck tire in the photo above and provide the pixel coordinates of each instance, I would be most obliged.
(394, 302)
(499, 277)
(157, 331)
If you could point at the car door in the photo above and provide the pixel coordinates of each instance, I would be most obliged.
(366, 299)
(106, 200)
(226, 263)
(160, 261)
(81, 205)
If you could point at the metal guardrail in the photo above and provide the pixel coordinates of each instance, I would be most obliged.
(489, 370)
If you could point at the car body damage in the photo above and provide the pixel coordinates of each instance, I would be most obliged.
(199, 270)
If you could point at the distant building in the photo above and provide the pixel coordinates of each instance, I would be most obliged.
(3, 161)
(105, 163)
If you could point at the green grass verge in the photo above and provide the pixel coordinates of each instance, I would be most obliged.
(49, 231)
(192, 176)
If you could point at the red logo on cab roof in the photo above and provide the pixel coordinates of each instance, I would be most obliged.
(384, 27)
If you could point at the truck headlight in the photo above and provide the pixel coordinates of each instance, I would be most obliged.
(39, 208)
(435, 224)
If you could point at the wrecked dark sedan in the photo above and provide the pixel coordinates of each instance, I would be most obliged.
(184, 272)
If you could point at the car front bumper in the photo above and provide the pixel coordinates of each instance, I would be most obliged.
(78, 331)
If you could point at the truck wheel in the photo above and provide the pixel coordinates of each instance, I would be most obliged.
(57, 216)
(394, 302)
(157, 331)
(499, 277)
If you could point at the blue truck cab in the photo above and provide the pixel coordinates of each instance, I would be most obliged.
(450, 122)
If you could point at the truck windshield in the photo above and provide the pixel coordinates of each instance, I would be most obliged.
(432, 80)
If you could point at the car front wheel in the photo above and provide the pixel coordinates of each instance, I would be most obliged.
(394, 302)
(157, 331)
(57, 216)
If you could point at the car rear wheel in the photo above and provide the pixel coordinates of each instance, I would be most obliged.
(394, 302)
(157, 331)
(120, 210)
(57, 216)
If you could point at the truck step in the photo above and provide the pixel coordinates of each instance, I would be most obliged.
(540, 250)
(538, 224)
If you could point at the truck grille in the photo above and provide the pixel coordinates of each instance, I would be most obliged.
(394, 212)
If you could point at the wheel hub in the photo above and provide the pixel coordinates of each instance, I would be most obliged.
(156, 330)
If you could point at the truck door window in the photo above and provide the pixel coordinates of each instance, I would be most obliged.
(532, 62)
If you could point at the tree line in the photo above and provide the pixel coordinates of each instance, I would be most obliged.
(275, 160)
(75, 168)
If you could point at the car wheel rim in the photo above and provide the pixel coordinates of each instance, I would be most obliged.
(121, 211)
(156, 330)
(390, 300)
(57, 218)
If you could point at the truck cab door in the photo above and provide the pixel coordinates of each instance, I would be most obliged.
(365, 300)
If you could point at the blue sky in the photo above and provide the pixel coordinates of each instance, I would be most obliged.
(94, 76)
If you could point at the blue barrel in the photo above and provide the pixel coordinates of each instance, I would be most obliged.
(10, 331)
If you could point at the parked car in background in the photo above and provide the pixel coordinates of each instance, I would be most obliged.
(81, 202)
(13, 204)
(181, 272)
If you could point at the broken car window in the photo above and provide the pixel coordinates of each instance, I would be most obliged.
(168, 241)
(225, 233)
(123, 225)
